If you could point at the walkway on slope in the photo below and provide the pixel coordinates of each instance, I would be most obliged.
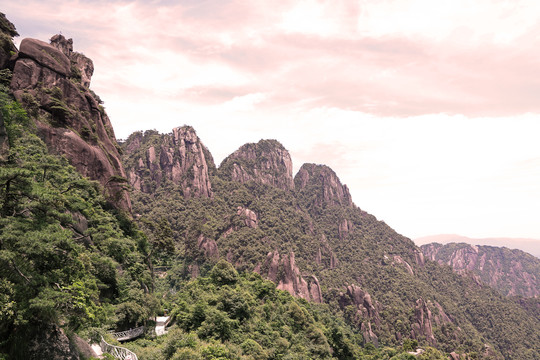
(123, 353)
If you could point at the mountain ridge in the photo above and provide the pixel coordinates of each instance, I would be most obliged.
(527, 245)
(199, 221)
(513, 272)
(312, 238)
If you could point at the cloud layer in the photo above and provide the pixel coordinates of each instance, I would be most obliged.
(427, 110)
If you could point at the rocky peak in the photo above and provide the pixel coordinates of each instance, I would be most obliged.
(81, 66)
(153, 159)
(266, 162)
(68, 115)
(512, 272)
(322, 186)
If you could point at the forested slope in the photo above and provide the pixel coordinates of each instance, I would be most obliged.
(314, 242)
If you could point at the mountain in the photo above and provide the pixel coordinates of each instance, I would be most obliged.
(178, 158)
(513, 272)
(52, 82)
(310, 239)
(212, 246)
(531, 246)
(71, 259)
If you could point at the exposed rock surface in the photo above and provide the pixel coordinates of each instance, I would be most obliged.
(325, 256)
(512, 272)
(291, 280)
(367, 311)
(323, 183)
(399, 260)
(67, 113)
(266, 162)
(180, 158)
(250, 218)
(208, 246)
(425, 319)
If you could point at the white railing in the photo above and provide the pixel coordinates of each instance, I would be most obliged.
(117, 351)
(128, 334)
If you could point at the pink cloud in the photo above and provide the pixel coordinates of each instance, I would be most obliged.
(395, 74)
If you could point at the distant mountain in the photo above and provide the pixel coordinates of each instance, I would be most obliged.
(531, 246)
(512, 272)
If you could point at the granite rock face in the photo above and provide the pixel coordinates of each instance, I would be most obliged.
(284, 271)
(180, 158)
(426, 316)
(512, 272)
(266, 162)
(47, 80)
(367, 310)
(323, 183)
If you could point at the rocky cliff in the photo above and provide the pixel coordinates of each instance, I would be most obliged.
(266, 162)
(180, 158)
(285, 273)
(51, 81)
(367, 311)
(324, 187)
(512, 272)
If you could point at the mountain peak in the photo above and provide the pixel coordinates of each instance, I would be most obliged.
(153, 159)
(51, 81)
(323, 184)
(266, 162)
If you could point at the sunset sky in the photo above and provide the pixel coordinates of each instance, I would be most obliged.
(428, 110)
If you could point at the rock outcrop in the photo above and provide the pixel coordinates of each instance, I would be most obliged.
(325, 256)
(399, 260)
(180, 158)
(284, 271)
(367, 311)
(208, 247)
(425, 319)
(266, 162)
(322, 186)
(47, 80)
(512, 272)
(48, 341)
(250, 217)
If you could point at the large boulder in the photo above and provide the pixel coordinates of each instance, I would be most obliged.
(47, 81)
(45, 55)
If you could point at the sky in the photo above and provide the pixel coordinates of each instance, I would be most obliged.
(428, 110)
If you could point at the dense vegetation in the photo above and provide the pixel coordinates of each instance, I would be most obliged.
(368, 253)
(67, 257)
(231, 315)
